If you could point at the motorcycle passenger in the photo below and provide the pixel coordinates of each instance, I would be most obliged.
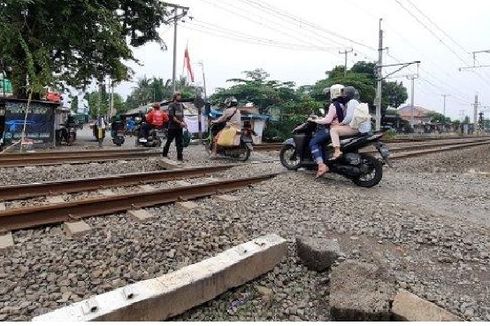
(231, 118)
(176, 125)
(334, 115)
(344, 129)
(156, 118)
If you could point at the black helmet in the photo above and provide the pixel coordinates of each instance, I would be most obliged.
(349, 93)
(231, 102)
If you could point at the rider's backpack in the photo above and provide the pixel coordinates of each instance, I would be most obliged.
(361, 115)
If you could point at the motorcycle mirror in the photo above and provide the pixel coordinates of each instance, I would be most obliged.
(322, 111)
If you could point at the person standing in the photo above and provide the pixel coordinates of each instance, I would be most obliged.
(176, 125)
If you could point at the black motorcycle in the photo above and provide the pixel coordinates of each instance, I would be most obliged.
(156, 136)
(118, 133)
(363, 169)
(241, 152)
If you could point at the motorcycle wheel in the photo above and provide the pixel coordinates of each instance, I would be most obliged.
(244, 153)
(70, 140)
(375, 174)
(289, 158)
(207, 145)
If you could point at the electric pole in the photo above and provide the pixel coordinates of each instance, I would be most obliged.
(475, 112)
(379, 75)
(346, 54)
(179, 13)
(444, 107)
(412, 97)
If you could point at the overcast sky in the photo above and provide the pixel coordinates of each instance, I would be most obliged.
(224, 36)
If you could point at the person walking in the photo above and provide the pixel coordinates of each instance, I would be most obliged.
(176, 125)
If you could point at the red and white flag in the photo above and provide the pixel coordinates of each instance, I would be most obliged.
(187, 64)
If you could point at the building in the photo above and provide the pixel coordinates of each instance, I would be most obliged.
(421, 115)
(40, 122)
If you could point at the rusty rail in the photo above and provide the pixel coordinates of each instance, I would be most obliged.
(406, 153)
(23, 218)
(24, 191)
(78, 157)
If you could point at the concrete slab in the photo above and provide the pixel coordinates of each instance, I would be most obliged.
(187, 205)
(2, 207)
(171, 294)
(106, 192)
(409, 307)
(139, 215)
(76, 229)
(6, 242)
(227, 198)
(360, 292)
(55, 199)
(167, 164)
(147, 188)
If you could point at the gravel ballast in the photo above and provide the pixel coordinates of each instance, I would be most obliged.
(427, 223)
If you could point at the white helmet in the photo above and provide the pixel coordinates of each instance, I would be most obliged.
(336, 91)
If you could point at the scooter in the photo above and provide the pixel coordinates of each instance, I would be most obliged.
(363, 169)
(118, 134)
(240, 152)
(155, 137)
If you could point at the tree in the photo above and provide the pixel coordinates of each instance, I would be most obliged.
(54, 42)
(74, 104)
(156, 90)
(438, 118)
(256, 88)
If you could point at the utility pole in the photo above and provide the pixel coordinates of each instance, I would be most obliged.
(346, 54)
(179, 13)
(444, 108)
(204, 81)
(412, 97)
(475, 112)
(379, 75)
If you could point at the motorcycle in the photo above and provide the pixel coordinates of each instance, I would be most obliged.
(67, 133)
(118, 134)
(363, 169)
(155, 138)
(241, 152)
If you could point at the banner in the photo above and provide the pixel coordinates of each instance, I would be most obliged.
(39, 123)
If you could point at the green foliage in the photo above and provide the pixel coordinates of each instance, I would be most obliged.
(72, 42)
(74, 104)
(438, 118)
(156, 90)
(256, 88)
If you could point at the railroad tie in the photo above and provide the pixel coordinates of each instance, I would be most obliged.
(187, 205)
(147, 187)
(55, 199)
(106, 192)
(171, 294)
(76, 229)
(227, 198)
(6, 242)
(2, 207)
(139, 215)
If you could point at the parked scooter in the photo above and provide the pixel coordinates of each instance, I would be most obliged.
(363, 169)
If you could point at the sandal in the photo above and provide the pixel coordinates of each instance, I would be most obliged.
(336, 157)
(321, 172)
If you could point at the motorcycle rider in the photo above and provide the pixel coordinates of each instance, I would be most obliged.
(117, 123)
(351, 96)
(333, 117)
(231, 118)
(156, 118)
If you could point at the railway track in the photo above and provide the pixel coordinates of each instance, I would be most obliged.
(25, 191)
(29, 217)
(410, 145)
(72, 157)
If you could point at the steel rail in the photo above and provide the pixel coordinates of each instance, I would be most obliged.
(277, 146)
(29, 217)
(406, 153)
(70, 153)
(72, 158)
(24, 191)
